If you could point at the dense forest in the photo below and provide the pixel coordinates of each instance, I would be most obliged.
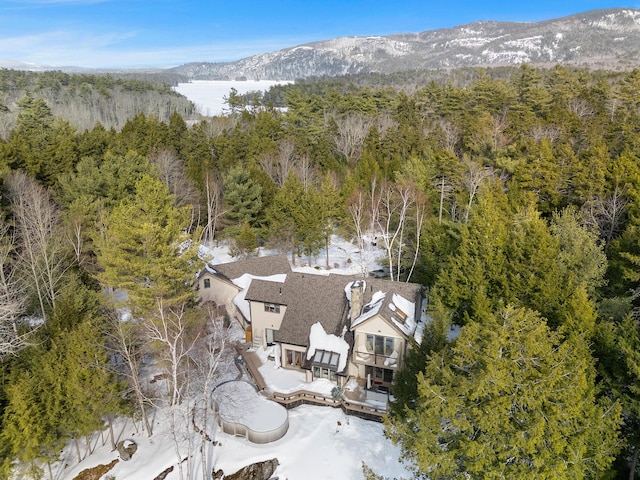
(512, 195)
(86, 100)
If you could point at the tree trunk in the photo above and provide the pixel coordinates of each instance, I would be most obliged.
(111, 435)
(326, 248)
(441, 201)
(75, 441)
(634, 462)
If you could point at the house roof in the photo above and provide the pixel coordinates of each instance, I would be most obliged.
(397, 302)
(321, 299)
(258, 266)
(312, 299)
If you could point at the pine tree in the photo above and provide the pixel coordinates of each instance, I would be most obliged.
(146, 250)
(510, 399)
(243, 197)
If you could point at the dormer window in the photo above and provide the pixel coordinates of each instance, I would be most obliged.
(324, 358)
(272, 307)
(325, 364)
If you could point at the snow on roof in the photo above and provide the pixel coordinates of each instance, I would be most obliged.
(210, 269)
(320, 340)
(244, 281)
(403, 315)
(349, 286)
(370, 309)
(422, 322)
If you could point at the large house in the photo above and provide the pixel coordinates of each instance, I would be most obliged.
(332, 326)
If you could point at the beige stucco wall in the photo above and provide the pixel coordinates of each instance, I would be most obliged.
(378, 326)
(375, 326)
(261, 320)
(220, 291)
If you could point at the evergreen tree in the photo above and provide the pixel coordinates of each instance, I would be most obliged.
(243, 197)
(146, 250)
(510, 399)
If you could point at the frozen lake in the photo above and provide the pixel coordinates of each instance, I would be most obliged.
(208, 95)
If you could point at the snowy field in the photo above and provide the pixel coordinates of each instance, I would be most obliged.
(208, 95)
(322, 443)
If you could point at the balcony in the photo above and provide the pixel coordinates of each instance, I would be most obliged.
(378, 351)
(363, 356)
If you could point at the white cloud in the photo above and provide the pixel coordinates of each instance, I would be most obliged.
(88, 49)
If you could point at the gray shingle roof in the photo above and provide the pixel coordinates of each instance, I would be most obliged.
(310, 299)
(259, 266)
(317, 298)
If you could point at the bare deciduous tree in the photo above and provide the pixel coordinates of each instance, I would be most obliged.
(12, 297)
(395, 201)
(352, 130)
(173, 173)
(451, 134)
(358, 211)
(169, 329)
(549, 132)
(207, 357)
(42, 250)
(305, 171)
(213, 198)
(472, 178)
(127, 346)
(607, 213)
(286, 159)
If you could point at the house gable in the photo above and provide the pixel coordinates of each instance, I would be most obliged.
(213, 287)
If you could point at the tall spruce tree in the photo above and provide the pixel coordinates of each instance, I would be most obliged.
(146, 249)
(510, 399)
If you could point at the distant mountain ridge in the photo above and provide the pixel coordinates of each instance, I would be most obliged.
(608, 39)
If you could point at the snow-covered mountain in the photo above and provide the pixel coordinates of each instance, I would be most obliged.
(600, 39)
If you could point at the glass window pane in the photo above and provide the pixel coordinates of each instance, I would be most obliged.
(269, 334)
(388, 345)
(370, 342)
(325, 357)
(317, 358)
(334, 360)
(379, 345)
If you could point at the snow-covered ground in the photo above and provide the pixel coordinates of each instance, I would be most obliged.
(208, 95)
(321, 443)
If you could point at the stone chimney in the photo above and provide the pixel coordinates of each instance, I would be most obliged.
(357, 299)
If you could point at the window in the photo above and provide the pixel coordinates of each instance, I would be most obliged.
(269, 333)
(207, 282)
(320, 372)
(272, 307)
(325, 364)
(382, 345)
(325, 358)
(379, 375)
(293, 358)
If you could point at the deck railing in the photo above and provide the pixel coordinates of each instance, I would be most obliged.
(299, 397)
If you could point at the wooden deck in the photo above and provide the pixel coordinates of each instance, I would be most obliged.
(252, 362)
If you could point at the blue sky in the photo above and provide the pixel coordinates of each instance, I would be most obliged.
(138, 33)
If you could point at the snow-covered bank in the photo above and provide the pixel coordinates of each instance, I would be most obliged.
(208, 95)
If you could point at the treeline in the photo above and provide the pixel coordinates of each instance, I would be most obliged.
(87, 100)
(513, 198)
